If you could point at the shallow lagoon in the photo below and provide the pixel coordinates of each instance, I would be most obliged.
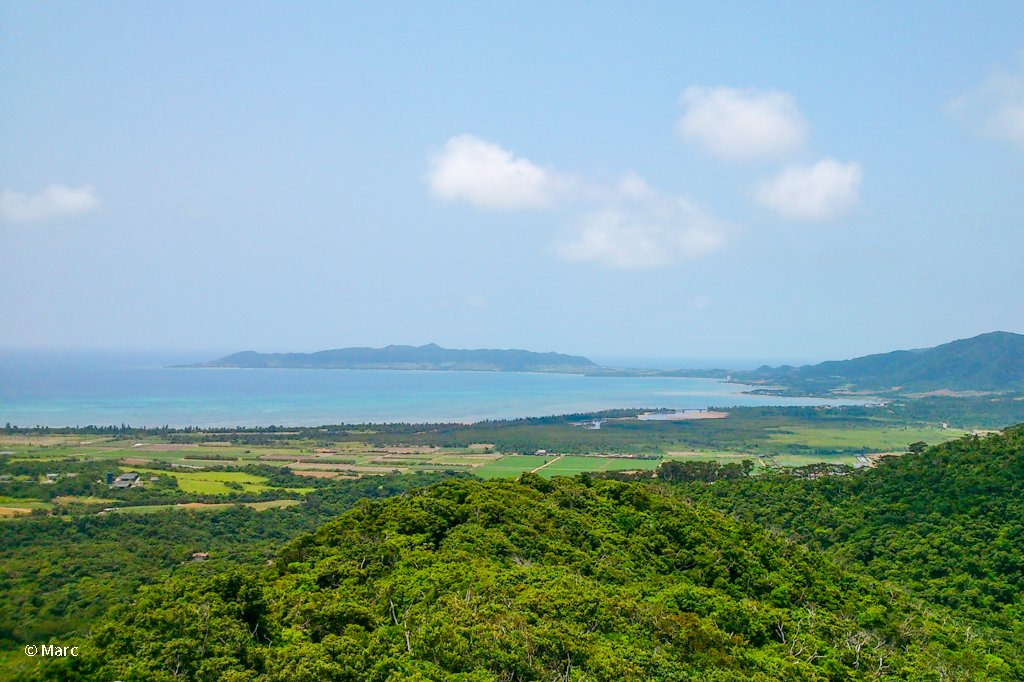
(141, 391)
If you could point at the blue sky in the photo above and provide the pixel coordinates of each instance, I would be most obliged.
(742, 182)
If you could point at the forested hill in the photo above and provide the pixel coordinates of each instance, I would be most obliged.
(989, 362)
(946, 524)
(570, 579)
(429, 357)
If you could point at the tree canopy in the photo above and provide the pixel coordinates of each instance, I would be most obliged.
(571, 579)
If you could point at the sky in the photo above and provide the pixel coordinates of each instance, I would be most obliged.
(737, 182)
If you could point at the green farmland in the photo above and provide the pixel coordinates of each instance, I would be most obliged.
(212, 482)
(196, 506)
(571, 465)
(511, 466)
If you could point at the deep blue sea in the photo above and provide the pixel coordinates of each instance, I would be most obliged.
(48, 389)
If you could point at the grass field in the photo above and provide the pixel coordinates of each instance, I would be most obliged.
(15, 501)
(573, 465)
(149, 509)
(211, 482)
(12, 507)
(804, 460)
(713, 456)
(511, 466)
(880, 439)
(73, 499)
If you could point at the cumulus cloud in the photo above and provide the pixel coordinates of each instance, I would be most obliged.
(481, 173)
(742, 124)
(996, 109)
(627, 225)
(825, 191)
(640, 228)
(55, 201)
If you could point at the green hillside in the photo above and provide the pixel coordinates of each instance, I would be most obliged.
(428, 357)
(989, 362)
(947, 524)
(536, 580)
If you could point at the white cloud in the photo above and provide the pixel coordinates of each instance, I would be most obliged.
(641, 228)
(627, 226)
(742, 124)
(55, 201)
(996, 109)
(825, 191)
(484, 174)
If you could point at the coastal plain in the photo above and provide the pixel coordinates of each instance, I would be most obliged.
(237, 461)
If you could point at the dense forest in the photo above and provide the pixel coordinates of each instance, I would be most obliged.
(57, 574)
(946, 524)
(908, 572)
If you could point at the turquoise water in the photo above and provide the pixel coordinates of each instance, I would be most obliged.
(81, 390)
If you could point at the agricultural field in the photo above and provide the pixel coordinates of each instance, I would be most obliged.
(789, 461)
(713, 456)
(11, 507)
(299, 455)
(214, 464)
(211, 482)
(869, 438)
(201, 506)
(511, 466)
(571, 465)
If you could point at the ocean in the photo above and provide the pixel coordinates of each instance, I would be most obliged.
(51, 389)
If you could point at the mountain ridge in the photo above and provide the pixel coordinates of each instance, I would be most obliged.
(987, 363)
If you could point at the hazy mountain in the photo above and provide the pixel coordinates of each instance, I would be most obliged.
(989, 362)
(430, 357)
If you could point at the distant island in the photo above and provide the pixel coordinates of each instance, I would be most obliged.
(428, 357)
(989, 363)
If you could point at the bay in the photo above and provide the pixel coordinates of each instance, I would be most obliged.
(58, 390)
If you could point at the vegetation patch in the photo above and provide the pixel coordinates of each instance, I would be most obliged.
(535, 580)
(213, 482)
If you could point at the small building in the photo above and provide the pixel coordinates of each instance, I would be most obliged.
(542, 453)
(130, 476)
(52, 477)
(121, 484)
(153, 479)
(200, 556)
